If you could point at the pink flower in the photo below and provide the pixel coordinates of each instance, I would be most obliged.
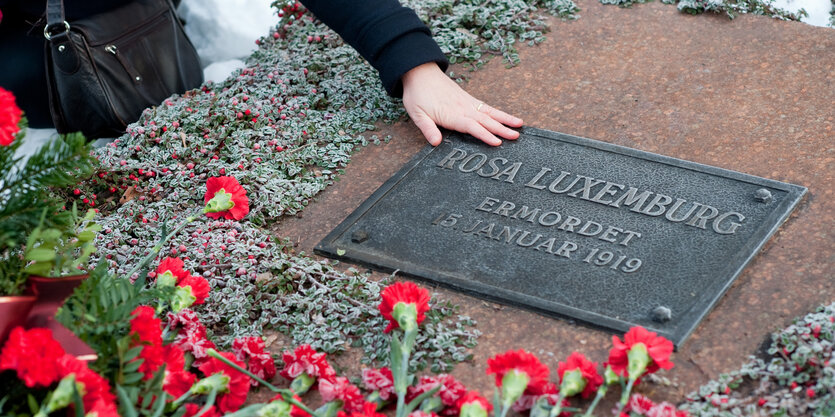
(306, 360)
(451, 391)
(666, 409)
(639, 404)
(380, 380)
(339, 388)
(250, 350)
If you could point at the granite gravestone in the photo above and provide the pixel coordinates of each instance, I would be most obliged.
(569, 226)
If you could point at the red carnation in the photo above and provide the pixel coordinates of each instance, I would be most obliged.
(380, 380)
(178, 383)
(295, 411)
(587, 368)
(451, 391)
(32, 353)
(250, 350)
(148, 331)
(367, 410)
(639, 404)
(102, 409)
(658, 348)
(403, 292)
(94, 388)
(192, 410)
(475, 397)
(306, 360)
(191, 336)
(238, 387)
(174, 266)
(223, 191)
(10, 115)
(521, 361)
(198, 285)
(339, 388)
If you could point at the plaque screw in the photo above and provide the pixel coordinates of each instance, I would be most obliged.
(662, 314)
(359, 236)
(763, 196)
(61, 48)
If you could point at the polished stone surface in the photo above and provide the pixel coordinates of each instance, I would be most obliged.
(752, 95)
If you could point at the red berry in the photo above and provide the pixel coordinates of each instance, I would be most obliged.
(276, 35)
(76, 191)
(810, 392)
(761, 402)
(248, 112)
(794, 385)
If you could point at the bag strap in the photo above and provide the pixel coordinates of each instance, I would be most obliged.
(55, 20)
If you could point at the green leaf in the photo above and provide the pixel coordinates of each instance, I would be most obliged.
(133, 378)
(40, 254)
(131, 354)
(126, 405)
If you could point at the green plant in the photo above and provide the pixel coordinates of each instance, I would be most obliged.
(54, 252)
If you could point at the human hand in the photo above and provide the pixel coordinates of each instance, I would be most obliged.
(432, 99)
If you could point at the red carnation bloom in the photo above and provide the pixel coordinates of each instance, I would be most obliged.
(192, 410)
(102, 409)
(521, 361)
(191, 337)
(148, 331)
(94, 388)
(294, 410)
(403, 292)
(32, 353)
(666, 409)
(367, 410)
(250, 350)
(229, 185)
(451, 391)
(306, 360)
(198, 285)
(173, 265)
(658, 347)
(10, 115)
(639, 404)
(587, 368)
(339, 388)
(380, 380)
(178, 383)
(238, 382)
(474, 396)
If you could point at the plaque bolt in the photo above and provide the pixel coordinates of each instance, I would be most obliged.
(359, 236)
(763, 196)
(662, 314)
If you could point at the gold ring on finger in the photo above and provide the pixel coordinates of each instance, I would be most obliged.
(479, 106)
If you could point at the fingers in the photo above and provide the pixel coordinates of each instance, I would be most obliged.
(501, 116)
(497, 128)
(475, 129)
(428, 128)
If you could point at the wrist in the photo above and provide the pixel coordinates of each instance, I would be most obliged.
(420, 72)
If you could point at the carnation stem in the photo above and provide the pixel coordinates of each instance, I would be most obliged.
(557, 408)
(505, 409)
(601, 392)
(210, 401)
(287, 395)
(158, 247)
(624, 396)
(403, 373)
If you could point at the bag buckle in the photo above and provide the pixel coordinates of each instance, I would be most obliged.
(47, 33)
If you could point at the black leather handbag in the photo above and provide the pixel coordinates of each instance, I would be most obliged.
(104, 70)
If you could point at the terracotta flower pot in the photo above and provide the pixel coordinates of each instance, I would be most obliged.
(13, 313)
(51, 294)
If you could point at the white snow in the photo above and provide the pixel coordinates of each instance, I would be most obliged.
(224, 30)
(818, 10)
(219, 71)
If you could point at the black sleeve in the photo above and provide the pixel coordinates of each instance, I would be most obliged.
(389, 36)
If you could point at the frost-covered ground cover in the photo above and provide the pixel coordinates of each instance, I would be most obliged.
(284, 126)
(793, 377)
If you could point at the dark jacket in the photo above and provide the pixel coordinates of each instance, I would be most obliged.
(389, 36)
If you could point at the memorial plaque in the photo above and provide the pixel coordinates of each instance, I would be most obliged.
(568, 226)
